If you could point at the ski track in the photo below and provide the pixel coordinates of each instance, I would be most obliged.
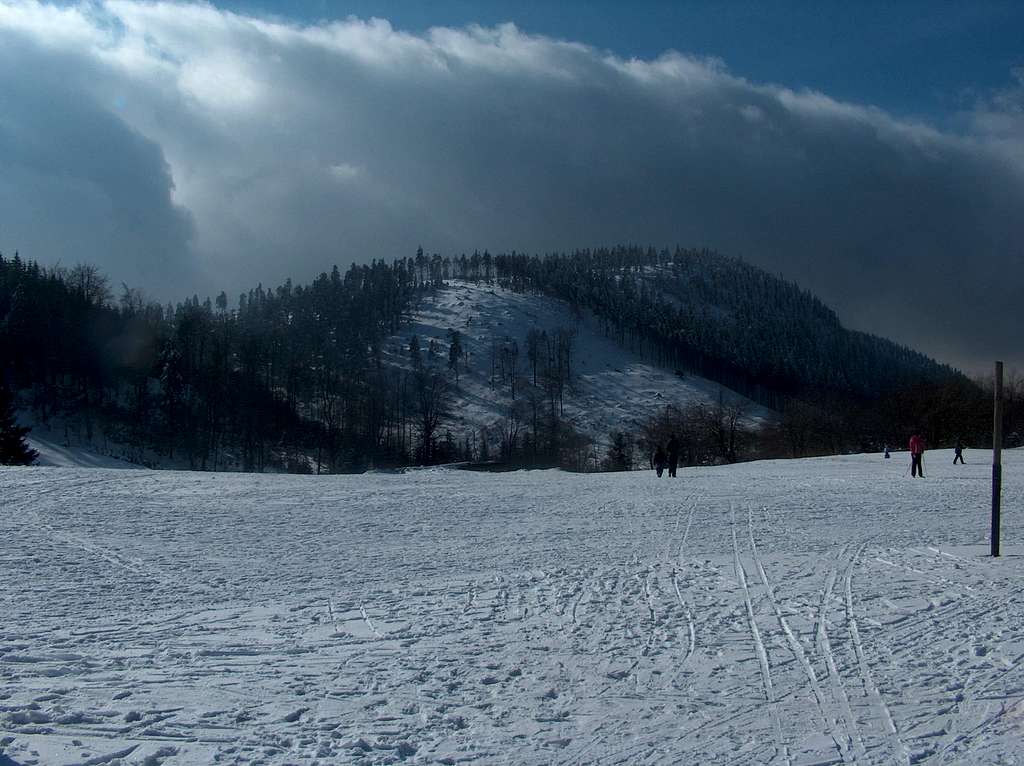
(898, 749)
(835, 678)
(781, 748)
(794, 645)
(531, 618)
(691, 632)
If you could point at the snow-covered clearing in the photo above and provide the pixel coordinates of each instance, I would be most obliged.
(612, 388)
(796, 612)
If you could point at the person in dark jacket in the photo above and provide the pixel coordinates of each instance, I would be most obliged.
(673, 455)
(916, 455)
(958, 449)
(659, 460)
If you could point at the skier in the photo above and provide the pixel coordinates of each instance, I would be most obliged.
(887, 455)
(916, 453)
(958, 448)
(673, 455)
(659, 460)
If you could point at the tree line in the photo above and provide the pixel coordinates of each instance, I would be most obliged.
(700, 312)
(719, 317)
(289, 378)
(295, 378)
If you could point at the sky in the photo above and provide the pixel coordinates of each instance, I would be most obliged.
(871, 152)
(914, 59)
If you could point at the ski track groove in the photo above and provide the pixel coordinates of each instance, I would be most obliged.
(794, 646)
(825, 649)
(332, 613)
(781, 749)
(689, 523)
(471, 597)
(576, 603)
(691, 645)
(369, 622)
(899, 749)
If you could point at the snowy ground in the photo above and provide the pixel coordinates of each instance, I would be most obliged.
(612, 388)
(54, 452)
(796, 612)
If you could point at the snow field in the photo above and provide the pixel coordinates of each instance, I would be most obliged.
(803, 612)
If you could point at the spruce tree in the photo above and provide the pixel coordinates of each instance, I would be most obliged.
(454, 352)
(620, 451)
(13, 449)
(414, 352)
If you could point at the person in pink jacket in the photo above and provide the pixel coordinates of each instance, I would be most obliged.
(916, 453)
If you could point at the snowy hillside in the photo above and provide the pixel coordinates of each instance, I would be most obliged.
(611, 388)
(816, 611)
(54, 452)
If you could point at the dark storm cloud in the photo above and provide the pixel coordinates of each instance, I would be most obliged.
(293, 148)
(78, 184)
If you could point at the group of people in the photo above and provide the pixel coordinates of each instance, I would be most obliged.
(666, 457)
(917, 454)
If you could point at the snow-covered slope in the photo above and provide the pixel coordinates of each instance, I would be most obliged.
(612, 388)
(55, 453)
(817, 611)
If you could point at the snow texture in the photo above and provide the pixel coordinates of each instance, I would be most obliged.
(54, 453)
(817, 611)
(613, 388)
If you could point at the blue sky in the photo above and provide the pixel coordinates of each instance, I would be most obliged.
(926, 60)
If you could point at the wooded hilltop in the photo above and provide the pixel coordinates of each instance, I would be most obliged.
(293, 378)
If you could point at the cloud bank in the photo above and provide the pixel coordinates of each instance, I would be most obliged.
(184, 148)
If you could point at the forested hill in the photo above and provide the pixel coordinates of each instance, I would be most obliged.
(726, 320)
(282, 378)
(298, 377)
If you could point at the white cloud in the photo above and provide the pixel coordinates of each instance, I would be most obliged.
(64, 27)
(999, 120)
(238, 148)
(345, 172)
(223, 82)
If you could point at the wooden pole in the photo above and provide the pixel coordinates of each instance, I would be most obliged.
(997, 456)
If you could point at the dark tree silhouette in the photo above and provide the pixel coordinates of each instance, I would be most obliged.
(454, 352)
(13, 448)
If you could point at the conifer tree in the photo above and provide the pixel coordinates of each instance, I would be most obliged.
(13, 448)
(414, 352)
(454, 352)
(620, 457)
